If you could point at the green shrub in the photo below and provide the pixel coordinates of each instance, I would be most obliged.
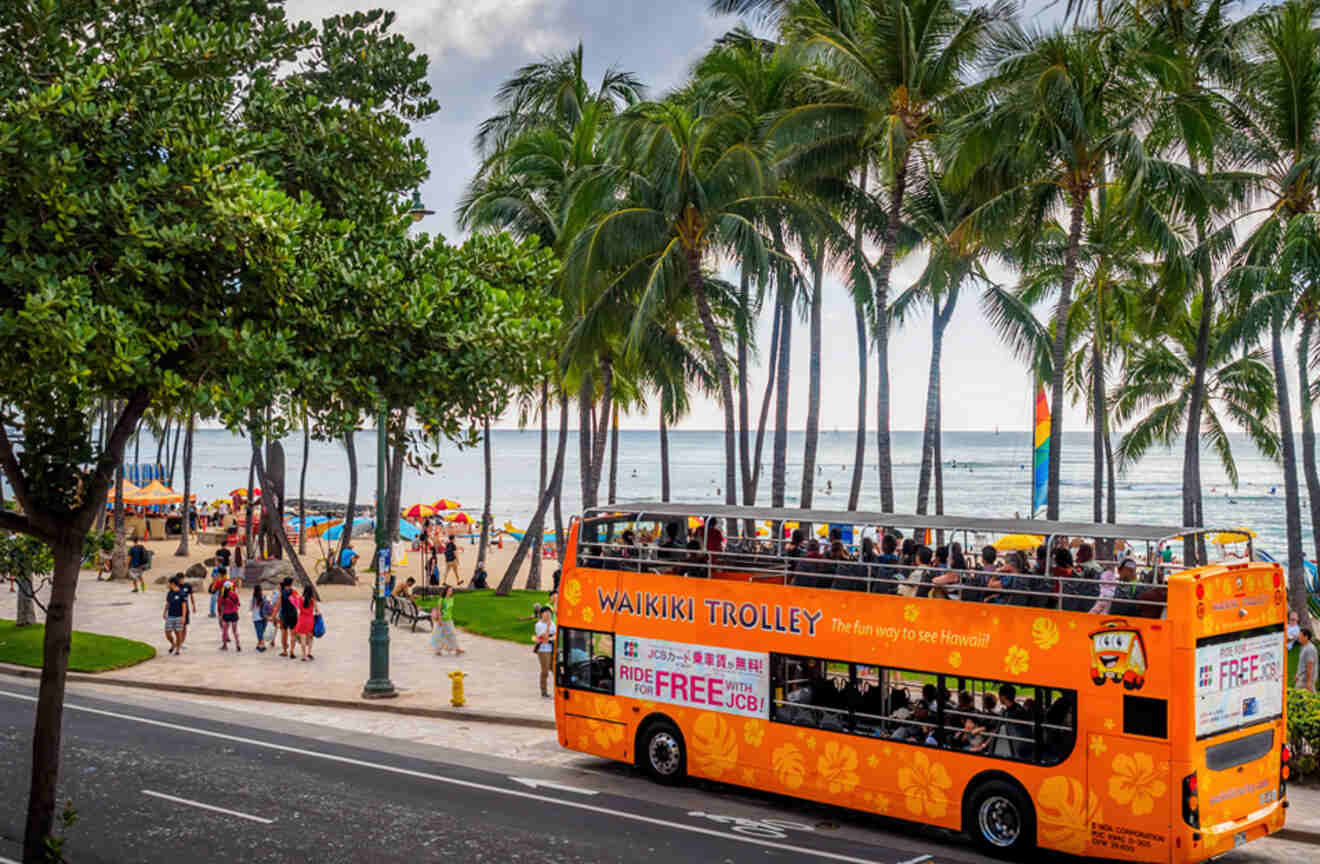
(1304, 730)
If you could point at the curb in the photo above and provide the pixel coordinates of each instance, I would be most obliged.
(493, 717)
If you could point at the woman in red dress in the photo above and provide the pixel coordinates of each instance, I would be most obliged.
(306, 621)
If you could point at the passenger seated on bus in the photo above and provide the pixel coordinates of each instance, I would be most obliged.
(695, 561)
(1127, 590)
(1015, 727)
(841, 566)
(669, 549)
(945, 579)
(917, 578)
(974, 581)
(1058, 742)
(974, 738)
(899, 713)
(593, 558)
(930, 696)
(811, 568)
(884, 576)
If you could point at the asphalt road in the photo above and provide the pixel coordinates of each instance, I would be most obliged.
(152, 786)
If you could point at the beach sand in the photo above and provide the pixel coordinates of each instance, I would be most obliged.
(165, 563)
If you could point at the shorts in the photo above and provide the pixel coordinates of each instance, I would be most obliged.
(174, 624)
(229, 616)
(136, 572)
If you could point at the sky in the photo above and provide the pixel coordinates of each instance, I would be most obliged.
(474, 45)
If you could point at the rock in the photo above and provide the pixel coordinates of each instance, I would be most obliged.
(266, 572)
(197, 572)
(336, 576)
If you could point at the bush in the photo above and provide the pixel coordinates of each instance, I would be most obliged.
(1304, 730)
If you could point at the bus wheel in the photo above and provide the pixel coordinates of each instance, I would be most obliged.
(1000, 819)
(662, 754)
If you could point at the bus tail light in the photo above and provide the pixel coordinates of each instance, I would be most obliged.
(1285, 770)
(1200, 610)
(1191, 804)
(1278, 598)
(1200, 591)
(1278, 579)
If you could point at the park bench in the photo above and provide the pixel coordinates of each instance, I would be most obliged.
(408, 609)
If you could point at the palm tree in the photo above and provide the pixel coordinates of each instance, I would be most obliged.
(1306, 390)
(692, 189)
(892, 76)
(936, 214)
(1157, 385)
(187, 487)
(541, 176)
(1062, 109)
(1279, 116)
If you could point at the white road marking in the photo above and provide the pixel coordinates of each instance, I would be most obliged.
(916, 860)
(7, 861)
(212, 807)
(546, 784)
(467, 784)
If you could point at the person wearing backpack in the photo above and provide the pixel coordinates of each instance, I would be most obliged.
(139, 559)
(218, 576)
(288, 618)
(229, 604)
(263, 608)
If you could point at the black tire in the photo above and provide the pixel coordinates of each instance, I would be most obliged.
(1000, 819)
(662, 753)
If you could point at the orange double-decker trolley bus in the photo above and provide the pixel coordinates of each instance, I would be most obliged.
(1121, 707)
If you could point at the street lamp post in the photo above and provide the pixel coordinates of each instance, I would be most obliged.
(379, 685)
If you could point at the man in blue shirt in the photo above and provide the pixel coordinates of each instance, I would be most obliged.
(348, 558)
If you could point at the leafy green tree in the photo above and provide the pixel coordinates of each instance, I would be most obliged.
(24, 560)
(1279, 116)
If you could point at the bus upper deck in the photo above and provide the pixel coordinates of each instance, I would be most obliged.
(1072, 566)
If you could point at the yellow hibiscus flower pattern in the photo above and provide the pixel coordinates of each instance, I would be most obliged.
(607, 734)
(1065, 812)
(573, 592)
(910, 612)
(1136, 782)
(788, 766)
(1098, 746)
(955, 659)
(714, 745)
(925, 785)
(753, 732)
(1017, 661)
(838, 768)
(588, 614)
(1045, 633)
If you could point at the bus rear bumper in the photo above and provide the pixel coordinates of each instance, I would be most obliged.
(1214, 840)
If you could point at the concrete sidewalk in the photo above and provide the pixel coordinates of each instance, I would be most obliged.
(500, 684)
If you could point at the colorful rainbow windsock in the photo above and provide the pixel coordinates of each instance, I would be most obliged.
(1041, 454)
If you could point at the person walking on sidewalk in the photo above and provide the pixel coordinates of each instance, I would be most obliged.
(139, 559)
(288, 618)
(451, 561)
(192, 610)
(229, 604)
(445, 637)
(1307, 661)
(219, 573)
(545, 647)
(262, 609)
(306, 626)
(175, 613)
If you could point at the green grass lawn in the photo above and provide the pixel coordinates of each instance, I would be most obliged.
(91, 652)
(481, 612)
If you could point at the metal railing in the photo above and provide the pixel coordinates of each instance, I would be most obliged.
(972, 584)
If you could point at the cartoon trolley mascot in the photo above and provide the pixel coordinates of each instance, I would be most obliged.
(1118, 654)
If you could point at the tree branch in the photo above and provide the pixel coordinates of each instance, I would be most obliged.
(9, 462)
(17, 523)
(98, 483)
(25, 587)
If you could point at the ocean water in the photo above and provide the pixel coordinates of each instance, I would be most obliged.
(992, 477)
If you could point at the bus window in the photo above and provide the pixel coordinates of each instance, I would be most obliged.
(1058, 724)
(867, 699)
(809, 691)
(586, 660)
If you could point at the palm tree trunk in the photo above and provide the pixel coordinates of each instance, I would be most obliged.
(614, 455)
(600, 435)
(812, 442)
(484, 544)
(1297, 593)
(1097, 422)
(302, 486)
(697, 284)
(1308, 430)
(770, 377)
(536, 526)
(1111, 491)
(538, 541)
(251, 485)
(174, 456)
(586, 399)
(350, 444)
(928, 435)
(1193, 505)
(664, 457)
(859, 311)
(939, 463)
(1059, 355)
(182, 551)
(744, 409)
(884, 267)
(779, 465)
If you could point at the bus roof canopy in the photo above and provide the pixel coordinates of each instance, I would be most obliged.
(1149, 533)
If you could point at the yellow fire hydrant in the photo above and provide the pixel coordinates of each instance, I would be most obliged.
(456, 698)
